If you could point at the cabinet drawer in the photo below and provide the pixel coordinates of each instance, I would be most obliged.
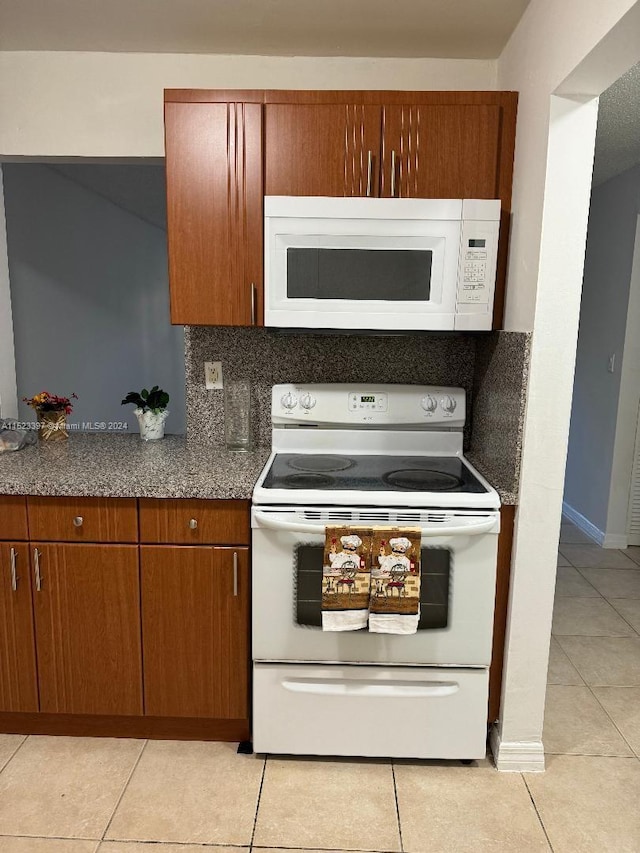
(83, 519)
(194, 522)
(13, 517)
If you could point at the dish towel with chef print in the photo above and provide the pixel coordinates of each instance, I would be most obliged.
(345, 579)
(394, 606)
(371, 577)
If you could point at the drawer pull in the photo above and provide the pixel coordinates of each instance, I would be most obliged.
(78, 521)
(235, 574)
(193, 523)
(36, 560)
(14, 576)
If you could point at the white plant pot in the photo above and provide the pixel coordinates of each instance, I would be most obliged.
(151, 424)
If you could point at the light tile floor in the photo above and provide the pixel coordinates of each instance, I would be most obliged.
(77, 795)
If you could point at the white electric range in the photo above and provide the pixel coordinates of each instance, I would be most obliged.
(374, 455)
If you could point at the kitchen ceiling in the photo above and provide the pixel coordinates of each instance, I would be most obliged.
(618, 136)
(471, 29)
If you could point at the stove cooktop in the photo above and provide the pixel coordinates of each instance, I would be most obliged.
(369, 473)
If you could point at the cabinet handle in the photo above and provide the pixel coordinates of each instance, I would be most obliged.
(193, 523)
(393, 174)
(253, 303)
(369, 171)
(14, 576)
(36, 560)
(235, 574)
(78, 521)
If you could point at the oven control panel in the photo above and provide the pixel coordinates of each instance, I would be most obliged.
(347, 405)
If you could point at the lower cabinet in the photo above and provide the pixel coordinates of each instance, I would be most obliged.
(195, 630)
(18, 679)
(87, 620)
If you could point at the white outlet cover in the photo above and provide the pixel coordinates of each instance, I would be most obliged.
(213, 375)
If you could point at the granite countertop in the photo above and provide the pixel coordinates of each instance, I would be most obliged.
(123, 466)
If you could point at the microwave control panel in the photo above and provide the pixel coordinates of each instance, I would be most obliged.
(477, 268)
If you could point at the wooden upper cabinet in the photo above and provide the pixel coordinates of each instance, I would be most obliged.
(214, 212)
(87, 614)
(13, 517)
(18, 680)
(440, 151)
(322, 149)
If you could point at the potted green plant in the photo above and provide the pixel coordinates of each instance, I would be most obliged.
(151, 411)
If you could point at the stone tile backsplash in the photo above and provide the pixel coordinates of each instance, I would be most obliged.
(267, 358)
(492, 368)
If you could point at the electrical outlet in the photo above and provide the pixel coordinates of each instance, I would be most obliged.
(213, 375)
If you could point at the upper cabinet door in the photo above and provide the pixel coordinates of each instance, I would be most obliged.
(214, 212)
(322, 149)
(440, 151)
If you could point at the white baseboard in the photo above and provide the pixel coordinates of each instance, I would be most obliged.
(605, 540)
(583, 523)
(516, 756)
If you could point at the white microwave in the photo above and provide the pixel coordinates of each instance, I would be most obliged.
(387, 264)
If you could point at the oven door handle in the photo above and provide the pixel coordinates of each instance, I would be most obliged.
(472, 528)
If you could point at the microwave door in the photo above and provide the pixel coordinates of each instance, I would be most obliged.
(363, 281)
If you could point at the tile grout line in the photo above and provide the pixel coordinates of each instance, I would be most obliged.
(124, 790)
(255, 818)
(13, 754)
(614, 724)
(395, 793)
(538, 815)
(624, 619)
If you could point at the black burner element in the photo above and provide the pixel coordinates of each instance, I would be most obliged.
(423, 480)
(307, 480)
(311, 462)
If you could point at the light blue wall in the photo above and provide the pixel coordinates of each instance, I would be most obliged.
(603, 315)
(90, 294)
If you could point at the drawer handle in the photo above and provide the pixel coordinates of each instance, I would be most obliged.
(78, 521)
(235, 574)
(14, 576)
(193, 523)
(36, 560)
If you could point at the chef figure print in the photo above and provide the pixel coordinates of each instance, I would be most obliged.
(395, 580)
(346, 571)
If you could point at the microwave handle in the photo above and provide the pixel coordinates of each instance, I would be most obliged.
(470, 528)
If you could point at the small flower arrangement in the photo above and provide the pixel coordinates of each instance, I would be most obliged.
(46, 402)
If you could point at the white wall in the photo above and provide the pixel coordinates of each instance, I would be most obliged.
(603, 318)
(8, 393)
(90, 296)
(584, 40)
(110, 104)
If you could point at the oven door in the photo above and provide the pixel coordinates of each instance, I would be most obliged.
(459, 551)
(344, 267)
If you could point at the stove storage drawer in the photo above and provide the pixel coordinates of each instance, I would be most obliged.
(400, 712)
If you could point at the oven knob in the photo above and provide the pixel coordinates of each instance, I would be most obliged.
(448, 403)
(307, 401)
(429, 403)
(289, 401)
